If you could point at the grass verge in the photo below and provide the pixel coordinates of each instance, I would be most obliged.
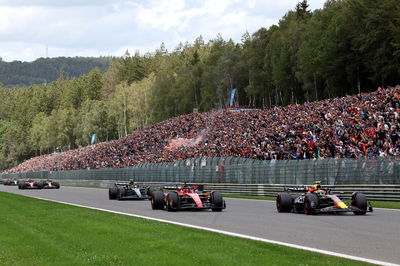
(37, 232)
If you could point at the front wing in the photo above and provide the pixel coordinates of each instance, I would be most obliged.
(334, 209)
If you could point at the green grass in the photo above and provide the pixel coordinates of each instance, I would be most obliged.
(37, 232)
(386, 204)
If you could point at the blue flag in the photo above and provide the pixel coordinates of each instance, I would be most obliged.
(232, 97)
(93, 139)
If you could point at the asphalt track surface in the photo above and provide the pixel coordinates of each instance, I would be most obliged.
(374, 236)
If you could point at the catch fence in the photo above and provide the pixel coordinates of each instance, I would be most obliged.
(233, 170)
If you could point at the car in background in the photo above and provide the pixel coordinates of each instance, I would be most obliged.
(49, 184)
(316, 200)
(187, 196)
(29, 184)
(10, 182)
(129, 190)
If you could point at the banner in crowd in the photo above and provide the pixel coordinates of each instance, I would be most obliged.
(232, 97)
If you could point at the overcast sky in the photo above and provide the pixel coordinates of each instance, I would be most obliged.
(110, 27)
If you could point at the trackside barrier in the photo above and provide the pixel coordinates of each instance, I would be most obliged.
(381, 176)
(373, 192)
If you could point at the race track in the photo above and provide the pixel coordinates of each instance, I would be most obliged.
(374, 236)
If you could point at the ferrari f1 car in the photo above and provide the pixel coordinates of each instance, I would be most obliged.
(10, 182)
(315, 200)
(129, 190)
(187, 196)
(49, 184)
(29, 184)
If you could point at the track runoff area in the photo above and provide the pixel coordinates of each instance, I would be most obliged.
(100, 202)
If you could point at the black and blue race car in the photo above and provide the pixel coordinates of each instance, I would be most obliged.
(316, 200)
(129, 190)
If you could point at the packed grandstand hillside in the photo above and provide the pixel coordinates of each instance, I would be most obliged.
(364, 125)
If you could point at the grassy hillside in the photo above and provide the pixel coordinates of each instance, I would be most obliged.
(45, 70)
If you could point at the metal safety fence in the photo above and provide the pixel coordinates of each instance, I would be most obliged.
(243, 171)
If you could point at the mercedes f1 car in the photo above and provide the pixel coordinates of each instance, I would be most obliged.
(316, 200)
(187, 196)
(49, 184)
(29, 184)
(129, 190)
(10, 182)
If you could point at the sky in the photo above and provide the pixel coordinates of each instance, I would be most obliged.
(30, 29)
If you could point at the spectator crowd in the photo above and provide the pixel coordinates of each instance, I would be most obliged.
(363, 125)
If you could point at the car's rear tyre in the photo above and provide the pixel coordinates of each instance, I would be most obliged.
(121, 193)
(112, 193)
(359, 200)
(157, 200)
(217, 201)
(284, 202)
(57, 185)
(172, 201)
(310, 203)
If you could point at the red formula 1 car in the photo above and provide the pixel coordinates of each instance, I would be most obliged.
(29, 184)
(315, 200)
(187, 196)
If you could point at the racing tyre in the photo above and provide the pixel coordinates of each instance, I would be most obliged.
(217, 201)
(57, 185)
(284, 202)
(112, 193)
(157, 200)
(359, 200)
(310, 203)
(121, 193)
(150, 191)
(172, 201)
(40, 185)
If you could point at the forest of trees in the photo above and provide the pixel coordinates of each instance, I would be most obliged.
(347, 47)
(44, 70)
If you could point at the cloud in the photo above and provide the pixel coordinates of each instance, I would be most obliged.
(106, 27)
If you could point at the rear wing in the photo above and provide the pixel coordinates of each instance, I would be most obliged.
(177, 187)
(296, 189)
(122, 184)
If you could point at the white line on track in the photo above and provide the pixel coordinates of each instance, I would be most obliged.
(326, 252)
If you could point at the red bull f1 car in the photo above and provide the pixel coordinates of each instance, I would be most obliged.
(49, 184)
(316, 200)
(187, 196)
(29, 184)
(129, 190)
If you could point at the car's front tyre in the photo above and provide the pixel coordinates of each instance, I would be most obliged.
(157, 200)
(172, 201)
(359, 200)
(284, 202)
(217, 201)
(310, 203)
(112, 193)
